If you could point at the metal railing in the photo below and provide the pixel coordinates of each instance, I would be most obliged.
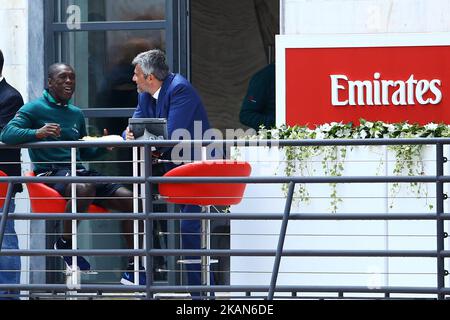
(439, 253)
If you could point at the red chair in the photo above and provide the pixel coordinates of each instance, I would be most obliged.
(44, 199)
(206, 194)
(3, 189)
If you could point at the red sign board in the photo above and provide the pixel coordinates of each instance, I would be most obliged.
(391, 84)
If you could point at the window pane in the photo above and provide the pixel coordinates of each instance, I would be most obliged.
(110, 10)
(102, 62)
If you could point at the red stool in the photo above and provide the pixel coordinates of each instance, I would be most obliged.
(206, 194)
(3, 189)
(44, 199)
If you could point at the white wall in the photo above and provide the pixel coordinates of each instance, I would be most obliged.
(13, 42)
(350, 235)
(14, 45)
(364, 16)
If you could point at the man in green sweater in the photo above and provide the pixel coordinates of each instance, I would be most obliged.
(53, 118)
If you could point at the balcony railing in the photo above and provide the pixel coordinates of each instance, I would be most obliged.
(268, 290)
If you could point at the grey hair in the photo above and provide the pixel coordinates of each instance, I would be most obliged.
(152, 62)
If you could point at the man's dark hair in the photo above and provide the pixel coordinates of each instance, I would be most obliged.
(2, 61)
(53, 69)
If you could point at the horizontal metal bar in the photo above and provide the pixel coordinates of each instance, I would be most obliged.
(225, 216)
(222, 288)
(300, 253)
(110, 26)
(297, 216)
(226, 253)
(286, 179)
(241, 143)
(70, 179)
(108, 112)
(77, 216)
(83, 252)
(266, 179)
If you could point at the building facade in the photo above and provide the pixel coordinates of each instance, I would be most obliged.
(216, 44)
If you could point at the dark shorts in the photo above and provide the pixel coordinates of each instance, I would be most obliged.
(102, 190)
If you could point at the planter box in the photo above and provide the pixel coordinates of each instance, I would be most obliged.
(337, 235)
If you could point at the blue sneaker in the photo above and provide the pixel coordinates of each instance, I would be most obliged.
(82, 263)
(128, 276)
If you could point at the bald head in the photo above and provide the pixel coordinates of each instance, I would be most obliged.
(61, 82)
(56, 68)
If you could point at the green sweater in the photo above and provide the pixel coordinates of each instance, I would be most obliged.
(258, 106)
(34, 115)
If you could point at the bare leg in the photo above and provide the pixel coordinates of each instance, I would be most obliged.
(84, 190)
(123, 203)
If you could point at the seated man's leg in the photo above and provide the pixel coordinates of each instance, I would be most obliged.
(9, 265)
(121, 199)
(191, 239)
(85, 191)
(85, 194)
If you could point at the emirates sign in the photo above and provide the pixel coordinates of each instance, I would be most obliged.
(393, 82)
(377, 91)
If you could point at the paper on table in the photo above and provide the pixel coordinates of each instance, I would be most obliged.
(112, 138)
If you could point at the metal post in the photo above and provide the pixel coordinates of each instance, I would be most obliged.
(136, 210)
(74, 272)
(5, 212)
(148, 223)
(205, 244)
(276, 264)
(439, 222)
(171, 243)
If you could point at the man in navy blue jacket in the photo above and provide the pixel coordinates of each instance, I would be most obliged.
(163, 94)
(10, 102)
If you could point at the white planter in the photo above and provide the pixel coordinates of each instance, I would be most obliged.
(337, 235)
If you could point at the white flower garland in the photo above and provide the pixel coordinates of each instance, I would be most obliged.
(408, 157)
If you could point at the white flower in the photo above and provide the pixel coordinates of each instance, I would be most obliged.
(406, 126)
(347, 132)
(319, 134)
(390, 128)
(431, 126)
(325, 127)
(369, 124)
(275, 134)
(363, 134)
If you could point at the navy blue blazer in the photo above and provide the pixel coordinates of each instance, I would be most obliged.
(10, 102)
(179, 103)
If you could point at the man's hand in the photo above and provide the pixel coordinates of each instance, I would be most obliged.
(155, 157)
(106, 133)
(129, 134)
(156, 154)
(49, 130)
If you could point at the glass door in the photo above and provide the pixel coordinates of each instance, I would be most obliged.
(99, 39)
